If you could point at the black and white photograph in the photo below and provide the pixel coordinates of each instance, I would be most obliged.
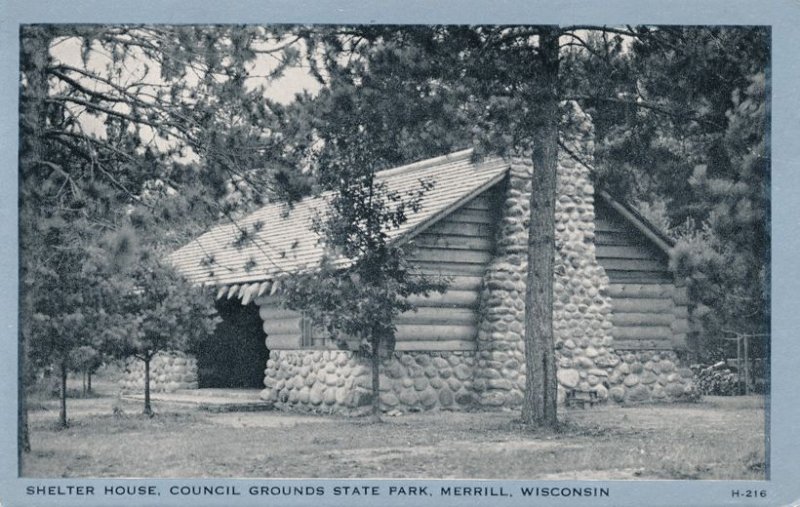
(318, 263)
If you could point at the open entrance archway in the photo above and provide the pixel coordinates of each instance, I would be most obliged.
(237, 355)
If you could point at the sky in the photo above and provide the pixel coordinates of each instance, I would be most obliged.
(139, 68)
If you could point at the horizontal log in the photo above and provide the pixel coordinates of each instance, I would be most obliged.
(466, 215)
(627, 252)
(458, 298)
(642, 319)
(680, 312)
(454, 242)
(464, 282)
(643, 345)
(642, 332)
(480, 203)
(638, 290)
(271, 313)
(618, 238)
(445, 255)
(436, 345)
(632, 264)
(283, 342)
(681, 296)
(458, 229)
(680, 341)
(680, 326)
(436, 315)
(409, 332)
(634, 305)
(283, 326)
(267, 300)
(446, 269)
(642, 277)
(610, 225)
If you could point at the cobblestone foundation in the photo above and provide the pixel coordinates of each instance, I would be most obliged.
(168, 372)
(337, 381)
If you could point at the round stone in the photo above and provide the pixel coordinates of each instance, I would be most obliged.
(428, 398)
(674, 390)
(394, 370)
(638, 393)
(631, 380)
(648, 377)
(303, 395)
(568, 377)
(340, 395)
(454, 384)
(602, 392)
(408, 397)
(440, 363)
(389, 399)
(499, 383)
(462, 372)
(446, 397)
(315, 394)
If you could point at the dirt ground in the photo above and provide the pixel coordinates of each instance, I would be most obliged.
(717, 438)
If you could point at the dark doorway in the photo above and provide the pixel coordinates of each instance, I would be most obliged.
(236, 356)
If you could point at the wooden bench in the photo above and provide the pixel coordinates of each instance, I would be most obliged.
(575, 396)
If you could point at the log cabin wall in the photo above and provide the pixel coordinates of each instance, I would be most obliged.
(434, 359)
(457, 249)
(650, 308)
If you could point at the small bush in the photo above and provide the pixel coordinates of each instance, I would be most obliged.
(715, 380)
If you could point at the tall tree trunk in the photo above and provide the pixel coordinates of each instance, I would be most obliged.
(376, 381)
(148, 410)
(62, 413)
(34, 59)
(23, 437)
(89, 381)
(539, 403)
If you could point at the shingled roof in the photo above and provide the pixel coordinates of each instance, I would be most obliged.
(282, 243)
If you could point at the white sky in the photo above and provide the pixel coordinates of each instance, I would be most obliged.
(139, 69)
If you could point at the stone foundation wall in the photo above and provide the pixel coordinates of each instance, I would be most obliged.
(168, 372)
(340, 381)
(642, 376)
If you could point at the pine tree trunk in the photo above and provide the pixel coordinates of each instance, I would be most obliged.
(83, 378)
(34, 59)
(539, 403)
(89, 381)
(62, 413)
(23, 436)
(148, 410)
(376, 382)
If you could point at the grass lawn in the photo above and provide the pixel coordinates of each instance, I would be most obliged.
(717, 438)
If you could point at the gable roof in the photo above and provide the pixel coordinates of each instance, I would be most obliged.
(282, 241)
(629, 213)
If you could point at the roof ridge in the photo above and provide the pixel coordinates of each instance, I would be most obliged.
(421, 164)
